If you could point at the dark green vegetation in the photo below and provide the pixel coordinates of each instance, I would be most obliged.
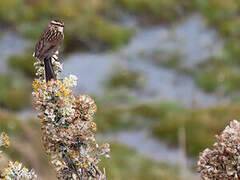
(24, 144)
(111, 118)
(23, 62)
(171, 60)
(10, 124)
(126, 79)
(158, 10)
(114, 118)
(218, 74)
(85, 22)
(127, 164)
(90, 24)
(223, 15)
(222, 73)
(201, 124)
(15, 92)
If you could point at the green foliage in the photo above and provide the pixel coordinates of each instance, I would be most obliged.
(225, 17)
(23, 62)
(127, 164)
(113, 118)
(166, 59)
(158, 10)
(93, 30)
(156, 111)
(222, 74)
(14, 128)
(201, 126)
(24, 143)
(32, 30)
(111, 34)
(218, 74)
(84, 21)
(221, 13)
(87, 22)
(10, 124)
(15, 93)
(173, 62)
(126, 78)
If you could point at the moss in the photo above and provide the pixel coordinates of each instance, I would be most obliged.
(126, 78)
(23, 62)
(127, 164)
(15, 93)
(201, 125)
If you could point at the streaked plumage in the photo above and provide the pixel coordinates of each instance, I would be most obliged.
(48, 44)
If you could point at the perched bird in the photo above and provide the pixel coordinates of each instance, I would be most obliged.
(48, 44)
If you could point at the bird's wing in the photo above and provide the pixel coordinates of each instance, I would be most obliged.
(48, 41)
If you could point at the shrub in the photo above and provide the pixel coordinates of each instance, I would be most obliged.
(126, 79)
(125, 163)
(201, 125)
(14, 93)
(22, 62)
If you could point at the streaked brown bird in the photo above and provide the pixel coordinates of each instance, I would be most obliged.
(48, 44)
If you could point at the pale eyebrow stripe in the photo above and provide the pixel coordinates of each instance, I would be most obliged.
(57, 23)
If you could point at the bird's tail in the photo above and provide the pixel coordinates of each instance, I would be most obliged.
(49, 72)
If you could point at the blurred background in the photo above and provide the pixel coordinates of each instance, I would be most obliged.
(165, 75)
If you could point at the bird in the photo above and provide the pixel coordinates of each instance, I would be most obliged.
(48, 44)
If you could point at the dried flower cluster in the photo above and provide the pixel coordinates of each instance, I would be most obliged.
(4, 140)
(67, 126)
(15, 170)
(223, 161)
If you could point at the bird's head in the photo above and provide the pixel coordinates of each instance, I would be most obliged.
(57, 24)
